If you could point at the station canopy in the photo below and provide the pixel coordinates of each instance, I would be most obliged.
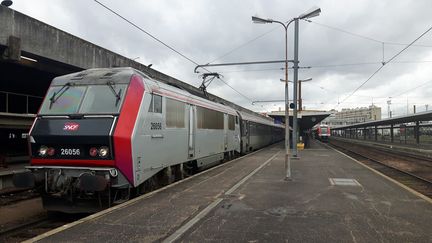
(307, 118)
(421, 116)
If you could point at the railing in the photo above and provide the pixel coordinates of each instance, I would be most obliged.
(19, 103)
(420, 134)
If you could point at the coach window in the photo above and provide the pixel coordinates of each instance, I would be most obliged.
(175, 113)
(236, 120)
(156, 104)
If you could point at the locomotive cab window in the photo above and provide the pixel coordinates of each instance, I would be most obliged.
(156, 104)
(103, 99)
(63, 100)
(84, 99)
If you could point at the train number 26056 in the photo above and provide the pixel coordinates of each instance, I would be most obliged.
(70, 151)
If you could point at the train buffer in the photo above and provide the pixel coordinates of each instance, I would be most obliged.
(331, 198)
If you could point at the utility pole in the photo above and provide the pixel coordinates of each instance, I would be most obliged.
(296, 61)
(388, 107)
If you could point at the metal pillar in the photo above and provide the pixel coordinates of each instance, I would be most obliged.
(295, 120)
(391, 133)
(417, 132)
(287, 132)
(376, 133)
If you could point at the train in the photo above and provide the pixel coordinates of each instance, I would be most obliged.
(322, 132)
(103, 135)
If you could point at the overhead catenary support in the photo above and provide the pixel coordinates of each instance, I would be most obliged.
(238, 64)
(267, 101)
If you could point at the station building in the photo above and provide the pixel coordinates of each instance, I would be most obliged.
(348, 116)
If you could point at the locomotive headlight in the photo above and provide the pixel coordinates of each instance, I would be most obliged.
(43, 151)
(103, 151)
(93, 152)
(51, 151)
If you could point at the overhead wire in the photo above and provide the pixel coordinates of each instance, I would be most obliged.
(361, 36)
(322, 66)
(383, 64)
(411, 89)
(250, 41)
(242, 45)
(164, 44)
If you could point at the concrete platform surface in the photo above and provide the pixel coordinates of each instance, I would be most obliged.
(248, 200)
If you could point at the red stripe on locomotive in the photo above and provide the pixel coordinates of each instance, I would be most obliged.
(75, 162)
(125, 126)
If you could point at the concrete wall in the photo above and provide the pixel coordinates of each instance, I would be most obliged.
(42, 40)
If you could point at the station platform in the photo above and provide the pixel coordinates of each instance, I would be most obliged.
(14, 165)
(331, 198)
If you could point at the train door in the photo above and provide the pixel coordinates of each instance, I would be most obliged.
(246, 131)
(225, 131)
(237, 136)
(192, 127)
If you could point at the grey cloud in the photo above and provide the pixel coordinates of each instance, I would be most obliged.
(205, 30)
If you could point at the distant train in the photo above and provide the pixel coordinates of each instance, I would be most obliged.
(322, 132)
(103, 135)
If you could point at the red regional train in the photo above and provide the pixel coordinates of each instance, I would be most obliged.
(322, 132)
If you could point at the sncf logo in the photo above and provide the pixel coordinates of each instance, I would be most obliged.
(71, 126)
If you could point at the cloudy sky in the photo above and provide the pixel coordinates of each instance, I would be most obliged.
(343, 46)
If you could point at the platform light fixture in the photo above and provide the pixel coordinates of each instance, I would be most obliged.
(313, 12)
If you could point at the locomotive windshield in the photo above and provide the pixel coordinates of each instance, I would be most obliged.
(83, 99)
(324, 130)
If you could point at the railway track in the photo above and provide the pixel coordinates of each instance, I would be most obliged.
(35, 227)
(412, 172)
(15, 195)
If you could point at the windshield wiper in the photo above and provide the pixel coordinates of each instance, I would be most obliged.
(117, 95)
(62, 90)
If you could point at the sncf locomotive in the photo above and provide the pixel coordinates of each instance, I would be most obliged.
(103, 134)
(322, 132)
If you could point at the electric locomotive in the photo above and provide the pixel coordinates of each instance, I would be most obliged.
(103, 134)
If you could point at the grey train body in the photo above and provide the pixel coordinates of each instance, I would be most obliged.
(154, 132)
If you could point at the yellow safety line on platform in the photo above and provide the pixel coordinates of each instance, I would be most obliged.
(132, 201)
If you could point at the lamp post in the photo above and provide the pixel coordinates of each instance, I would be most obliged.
(287, 136)
(312, 13)
(309, 14)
